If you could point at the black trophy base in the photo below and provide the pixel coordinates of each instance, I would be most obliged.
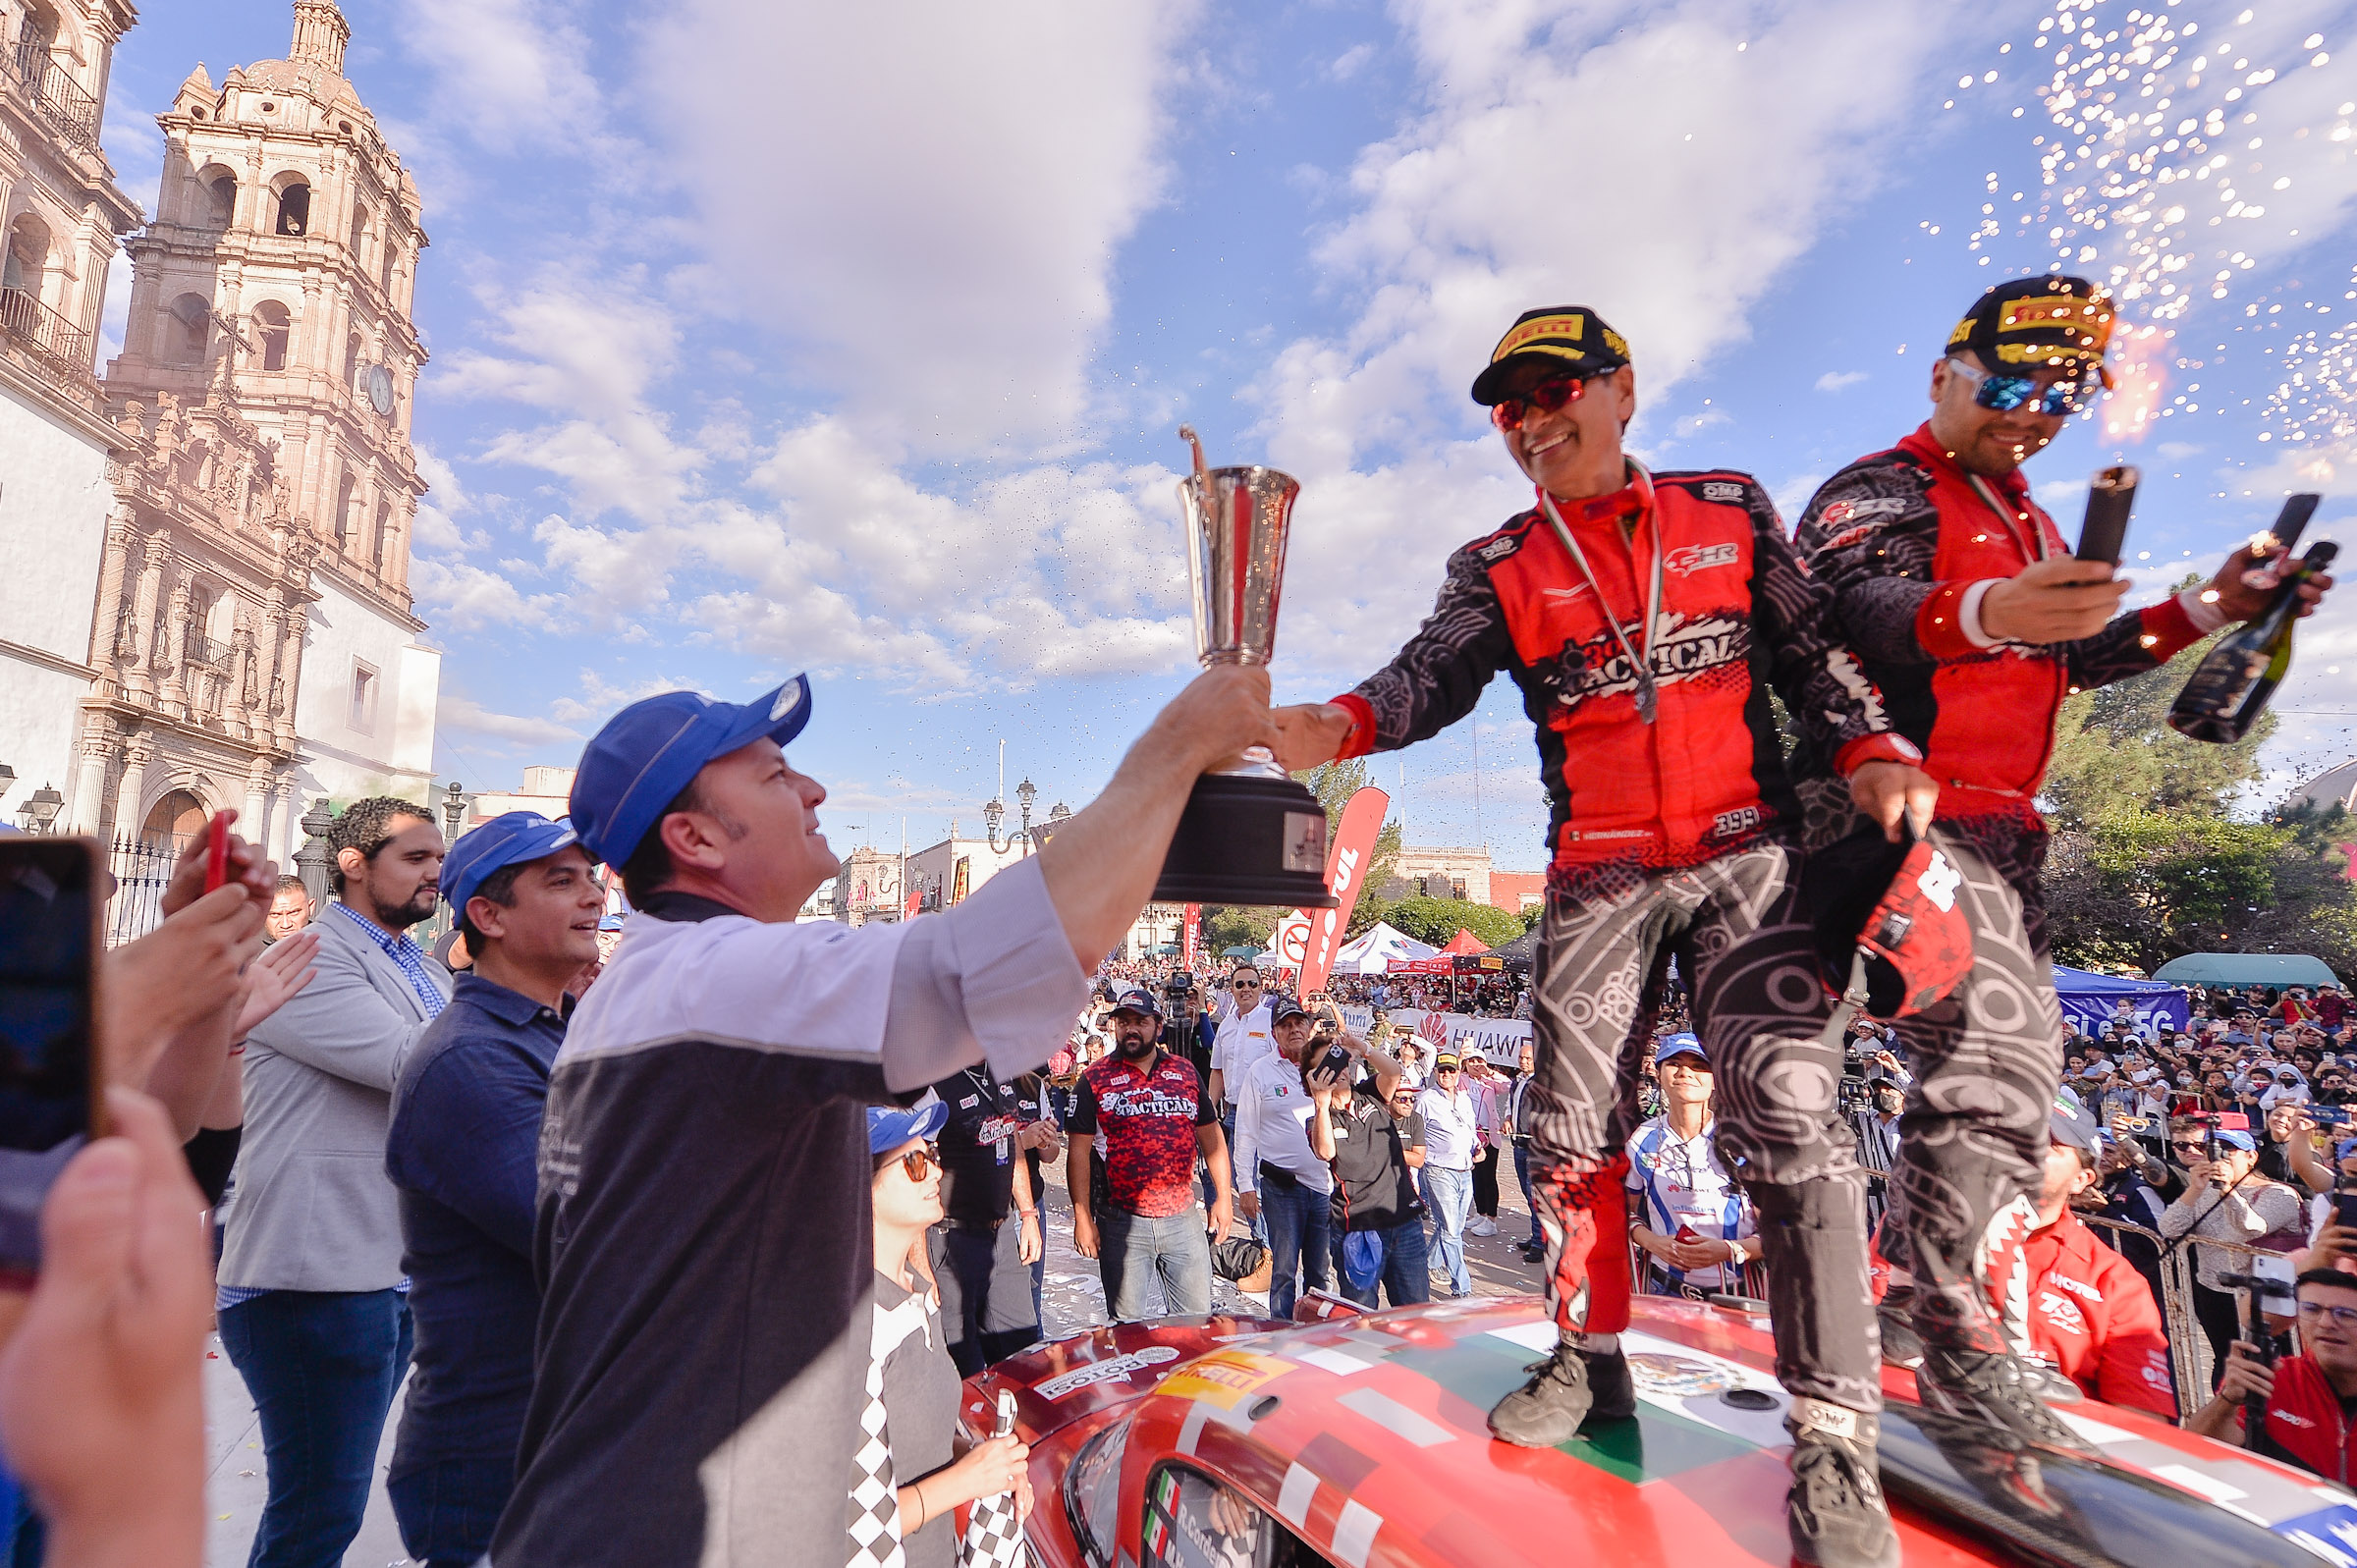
(1246, 839)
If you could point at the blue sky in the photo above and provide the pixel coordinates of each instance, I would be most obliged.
(776, 336)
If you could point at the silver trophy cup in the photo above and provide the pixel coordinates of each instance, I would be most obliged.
(1249, 835)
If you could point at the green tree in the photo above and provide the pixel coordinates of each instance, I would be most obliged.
(1237, 926)
(1438, 920)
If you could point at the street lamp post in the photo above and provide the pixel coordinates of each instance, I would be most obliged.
(993, 812)
(454, 809)
(39, 813)
(312, 860)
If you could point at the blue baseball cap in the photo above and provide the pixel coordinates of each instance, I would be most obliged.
(651, 750)
(2233, 1138)
(505, 841)
(2345, 1148)
(1137, 1000)
(889, 1127)
(1680, 1045)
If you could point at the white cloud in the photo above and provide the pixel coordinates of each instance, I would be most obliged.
(1700, 174)
(507, 74)
(466, 598)
(927, 200)
(455, 712)
(1836, 380)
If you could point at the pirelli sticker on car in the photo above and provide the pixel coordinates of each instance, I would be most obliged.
(1224, 1378)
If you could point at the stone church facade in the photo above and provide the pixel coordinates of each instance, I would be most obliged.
(253, 643)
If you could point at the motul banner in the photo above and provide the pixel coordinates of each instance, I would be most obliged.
(1347, 866)
(1192, 918)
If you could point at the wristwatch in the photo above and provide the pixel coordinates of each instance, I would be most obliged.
(1736, 1253)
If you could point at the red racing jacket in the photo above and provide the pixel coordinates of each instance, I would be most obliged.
(2093, 1315)
(1738, 613)
(2305, 1425)
(1909, 545)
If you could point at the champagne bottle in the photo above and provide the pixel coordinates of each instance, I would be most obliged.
(2232, 683)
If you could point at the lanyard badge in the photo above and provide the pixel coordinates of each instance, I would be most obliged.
(1640, 662)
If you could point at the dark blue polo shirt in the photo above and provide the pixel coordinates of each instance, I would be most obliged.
(464, 1149)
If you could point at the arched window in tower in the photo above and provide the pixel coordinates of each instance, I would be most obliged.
(187, 329)
(383, 553)
(351, 364)
(392, 256)
(344, 505)
(273, 327)
(294, 208)
(360, 236)
(218, 188)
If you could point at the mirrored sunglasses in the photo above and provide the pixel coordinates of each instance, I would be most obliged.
(2005, 394)
(1556, 392)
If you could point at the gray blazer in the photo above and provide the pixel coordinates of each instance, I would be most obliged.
(314, 1210)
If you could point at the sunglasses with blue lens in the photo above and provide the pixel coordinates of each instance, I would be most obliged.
(2006, 393)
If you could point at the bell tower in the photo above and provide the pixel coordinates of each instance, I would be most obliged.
(255, 612)
(279, 268)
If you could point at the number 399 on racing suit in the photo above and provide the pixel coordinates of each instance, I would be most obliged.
(1672, 831)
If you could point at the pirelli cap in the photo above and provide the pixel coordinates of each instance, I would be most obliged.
(2031, 323)
(1573, 335)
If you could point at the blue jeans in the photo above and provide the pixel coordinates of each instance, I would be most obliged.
(1299, 1223)
(1449, 1194)
(1523, 1175)
(1407, 1278)
(1132, 1251)
(446, 1510)
(322, 1367)
(1259, 1228)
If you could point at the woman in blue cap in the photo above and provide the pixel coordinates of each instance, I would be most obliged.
(907, 1482)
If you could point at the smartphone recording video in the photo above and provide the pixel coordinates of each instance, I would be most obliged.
(48, 1093)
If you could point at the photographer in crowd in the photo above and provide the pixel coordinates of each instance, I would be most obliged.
(2225, 1200)
(1372, 1139)
(2307, 1397)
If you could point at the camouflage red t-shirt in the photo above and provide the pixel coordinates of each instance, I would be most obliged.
(1143, 1121)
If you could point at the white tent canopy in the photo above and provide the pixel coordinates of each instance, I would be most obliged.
(1378, 949)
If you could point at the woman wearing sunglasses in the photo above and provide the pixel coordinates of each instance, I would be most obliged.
(912, 1477)
(1646, 617)
(1976, 623)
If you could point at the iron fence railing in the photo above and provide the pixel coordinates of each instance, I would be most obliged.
(56, 94)
(54, 345)
(142, 867)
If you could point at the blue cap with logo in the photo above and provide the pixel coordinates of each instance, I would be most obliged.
(505, 841)
(651, 750)
(889, 1127)
(1680, 1045)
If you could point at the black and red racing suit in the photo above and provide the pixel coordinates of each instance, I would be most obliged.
(1674, 836)
(1910, 543)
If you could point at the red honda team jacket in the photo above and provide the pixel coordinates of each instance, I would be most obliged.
(2093, 1315)
(1739, 612)
(2304, 1420)
(1909, 546)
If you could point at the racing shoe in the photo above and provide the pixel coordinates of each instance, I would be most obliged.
(1609, 1385)
(1548, 1409)
(1834, 1511)
(1995, 1389)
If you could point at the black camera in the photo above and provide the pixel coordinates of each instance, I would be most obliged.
(1179, 983)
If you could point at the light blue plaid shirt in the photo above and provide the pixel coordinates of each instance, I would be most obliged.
(408, 955)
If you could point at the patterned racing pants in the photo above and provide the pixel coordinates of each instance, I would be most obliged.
(1973, 1136)
(1749, 959)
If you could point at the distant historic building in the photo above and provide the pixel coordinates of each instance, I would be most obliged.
(253, 643)
(61, 214)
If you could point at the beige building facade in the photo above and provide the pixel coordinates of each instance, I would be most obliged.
(250, 640)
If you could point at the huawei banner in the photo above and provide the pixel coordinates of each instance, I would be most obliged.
(1347, 866)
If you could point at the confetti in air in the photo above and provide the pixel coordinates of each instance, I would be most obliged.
(2175, 143)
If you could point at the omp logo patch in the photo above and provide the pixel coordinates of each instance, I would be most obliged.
(1721, 490)
(1498, 550)
(1688, 559)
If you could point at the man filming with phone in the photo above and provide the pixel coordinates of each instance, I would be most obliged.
(1976, 621)
(2305, 1398)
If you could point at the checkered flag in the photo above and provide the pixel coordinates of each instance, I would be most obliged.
(994, 1537)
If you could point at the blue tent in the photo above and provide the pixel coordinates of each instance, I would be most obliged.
(2247, 969)
(2088, 1000)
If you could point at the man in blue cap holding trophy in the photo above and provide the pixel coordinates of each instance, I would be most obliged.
(703, 1228)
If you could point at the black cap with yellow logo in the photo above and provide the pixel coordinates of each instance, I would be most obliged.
(1573, 334)
(2032, 323)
